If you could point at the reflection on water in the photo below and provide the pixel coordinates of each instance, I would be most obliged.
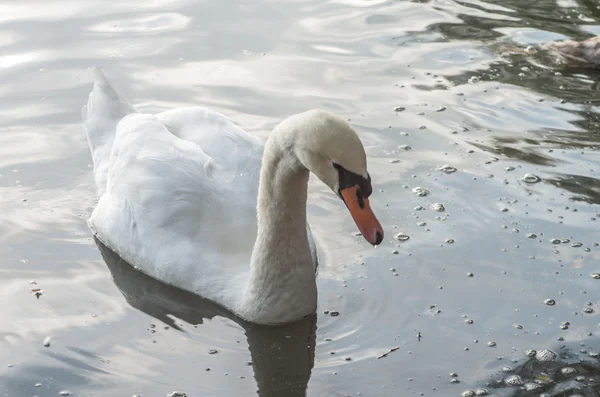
(282, 357)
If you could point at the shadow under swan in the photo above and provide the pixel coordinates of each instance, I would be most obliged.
(282, 356)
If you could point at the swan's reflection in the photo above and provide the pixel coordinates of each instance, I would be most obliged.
(282, 357)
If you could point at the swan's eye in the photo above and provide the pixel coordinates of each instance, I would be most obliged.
(348, 179)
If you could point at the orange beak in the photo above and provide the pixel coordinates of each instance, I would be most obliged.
(362, 214)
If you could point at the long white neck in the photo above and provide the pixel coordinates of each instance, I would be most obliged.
(282, 282)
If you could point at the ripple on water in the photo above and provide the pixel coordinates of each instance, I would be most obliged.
(531, 178)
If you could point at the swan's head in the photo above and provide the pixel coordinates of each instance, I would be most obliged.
(328, 147)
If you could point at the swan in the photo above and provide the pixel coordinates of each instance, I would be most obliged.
(192, 200)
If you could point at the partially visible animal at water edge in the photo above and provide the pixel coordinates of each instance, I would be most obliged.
(564, 53)
(194, 201)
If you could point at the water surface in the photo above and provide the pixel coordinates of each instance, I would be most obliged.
(478, 272)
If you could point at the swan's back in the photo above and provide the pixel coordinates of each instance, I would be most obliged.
(177, 192)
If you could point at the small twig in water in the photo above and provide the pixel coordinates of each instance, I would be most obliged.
(393, 349)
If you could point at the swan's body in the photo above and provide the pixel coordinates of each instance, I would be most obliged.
(180, 199)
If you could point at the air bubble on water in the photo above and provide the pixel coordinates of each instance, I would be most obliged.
(507, 369)
(568, 371)
(555, 241)
(454, 380)
(402, 237)
(399, 109)
(491, 344)
(481, 392)
(213, 351)
(421, 191)
(448, 169)
(545, 355)
(513, 380)
(531, 178)
(549, 302)
(531, 235)
(509, 168)
(530, 353)
(439, 207)
(177, 394)
(47, 342)
(588, 310)
(65, 393)
(405, 147)
(468, 393)
(576, 244)
(450, 241)
(419, 208)
(518, 326)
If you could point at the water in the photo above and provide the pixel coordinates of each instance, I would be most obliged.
(505, 115)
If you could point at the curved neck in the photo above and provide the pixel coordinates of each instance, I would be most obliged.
(282, 272)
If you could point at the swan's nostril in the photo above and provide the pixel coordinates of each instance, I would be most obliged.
(378, 238)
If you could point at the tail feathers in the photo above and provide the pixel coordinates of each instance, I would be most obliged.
(104, 109)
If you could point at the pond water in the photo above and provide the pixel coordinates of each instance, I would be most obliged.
(426, 85)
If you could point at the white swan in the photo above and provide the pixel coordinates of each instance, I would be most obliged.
(190, 199)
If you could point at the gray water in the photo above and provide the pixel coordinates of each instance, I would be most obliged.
(494, 117)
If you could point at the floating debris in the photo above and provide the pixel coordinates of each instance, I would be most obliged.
(595, 275)
(513, 380)
(421, 191)
(441, 109)
(393, 349)
(531, 178)
(439, 207)
(47, 342)
(532, 387)
(545, 355)
(448, 169)
(549, 302)
(37, 292)
(402, 237)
